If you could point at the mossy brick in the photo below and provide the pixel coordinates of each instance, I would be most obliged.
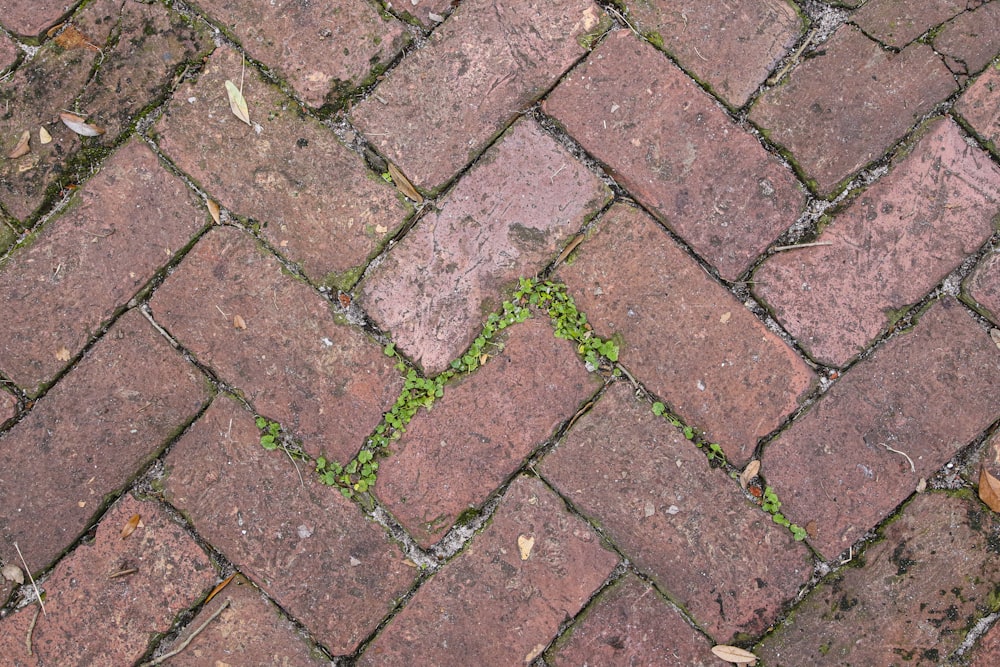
(843, 108)
(90, 435)
(304, 544)
(326, 383)
(423, 9)
(250, 631)
(970, 41)
(631, 624)
(897, 23)
(684, 336)
(30, 19)
(670, 145)
(731, 48)
(124, 591)
(485, 65)
(925, 393)
(328, 220)
(506, 218)
(68, 281)
(452, 457)
(980, 106)
(501, 602)
(323, 49)
(911, 600)
(686, 525)
(888, 249)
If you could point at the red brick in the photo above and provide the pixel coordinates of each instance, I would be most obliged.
(843, 108)
(324, 49)
(684, 336)
(482, 67)
(669, 144)
(8, 52)
(90, 435)
(324, 381)
(631, 624)
(888, 249)
(490, 606)
(422, 10)
(327, 220)
(303, 543)
(250, 631)
(984, 285)
(678, 520)
(92, 616)
(8, 406)
(911, 598)
(972, 40)
(71, 277)
(987, 652)
(897, 23)
(730, 48)
(980, 107)
(30, 19)
(926, 393)
(507, 218)
(535, 383)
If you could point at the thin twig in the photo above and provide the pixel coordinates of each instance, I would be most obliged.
(913, 468)
(31, 579)
(802, 245)
(295, 465)
(31, 629)
(187, 641)
(792, 62)
(123, 573)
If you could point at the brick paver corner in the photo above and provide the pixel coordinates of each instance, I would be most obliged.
(897, 23)
(71, 277)
(893, 419)
(971, 40)
(8, 52)
(888, 249)
(980, 107)
(324, 381)
(686, 525)
(328, 220)
(502, 600)
(29, 19)
(987, 651)
(684, 336)
(125, 591)
(668, 142)
(487, 63)
(507, 218)
(310, 549)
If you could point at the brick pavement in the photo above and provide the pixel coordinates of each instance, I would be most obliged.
(512, 332)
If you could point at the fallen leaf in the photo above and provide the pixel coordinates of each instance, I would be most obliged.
(734, 654)
(13, 573)
(43, 136)
(921, 485)
(62, 354)
(23, 146)
(749, 473)
(213, 210)
(989, 490)
(223, 584)
(239, 322)
(404, 184)
(80, 125)
(524, 545)
(131, 525)
(725, 317)
(237, 102)
(995, 335)
(71, 38)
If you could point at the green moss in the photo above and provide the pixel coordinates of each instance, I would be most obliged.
(587, 39)
(656, 39)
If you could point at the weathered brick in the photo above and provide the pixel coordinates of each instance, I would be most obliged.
(324, 49)
(670, 145)
(897, 22)
(424, 10)
(8, 406)
(987, 651)
(490, 605)
(482, 67)
(924, 394)
(8, 52)
(984, 285)
(507, 218)
(846, 106)
(90, 435)
(684, 336)
(888, 249)
(328, 220)
(93, 588)
(72, 278)
(30, 19)
(980, 106)
(680, 521)
(631, 624)
(324, 381)
(527, 389)
(731, 48)
(971, 40)
(910, 600)
(303, 543)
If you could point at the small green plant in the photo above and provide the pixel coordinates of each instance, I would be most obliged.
(270, 433)
(387, 177)
(770, 504)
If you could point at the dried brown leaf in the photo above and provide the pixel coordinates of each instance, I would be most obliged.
(213, 210)
(995, 335)
(43, 136)
(239, 322)
(734, 655)
(71, 38)
(524, 545)
(749, 473)
(63, 354)
(23, 146)
(223, 584)
(404, 185)
(13, 573)
(237, 102)
(80, 125)
(989, 490)
(131, 525)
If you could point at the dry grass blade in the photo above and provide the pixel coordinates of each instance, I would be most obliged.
(223, 584)
(734, 655)
(80, 125)
(570, 247)
(23, 146)
(989, 490)
(237, 102)
(404, 185)
(27, 569)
